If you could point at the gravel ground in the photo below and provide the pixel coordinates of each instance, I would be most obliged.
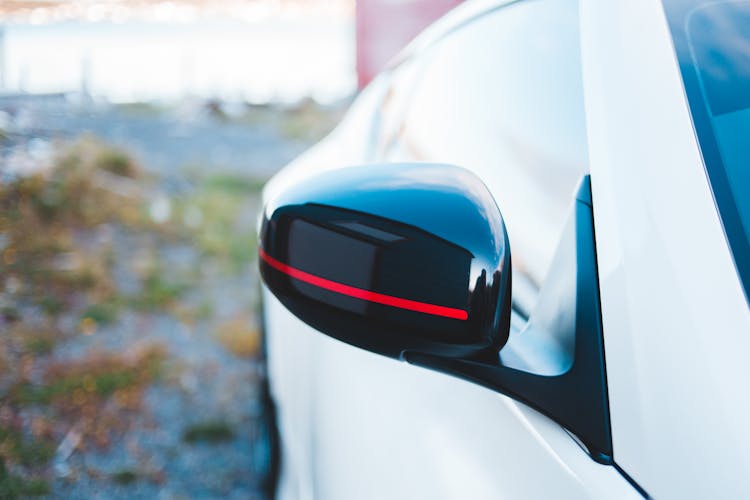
(166, 141)
(204, 382)
(203, 428)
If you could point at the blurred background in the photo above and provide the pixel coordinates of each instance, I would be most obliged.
(135, 137)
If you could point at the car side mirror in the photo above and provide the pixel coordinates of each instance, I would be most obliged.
(395, 259)
(412, 261)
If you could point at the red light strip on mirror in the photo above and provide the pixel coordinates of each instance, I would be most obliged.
(359, 293)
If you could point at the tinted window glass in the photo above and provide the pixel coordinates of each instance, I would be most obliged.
(719, 36)
(503, 97)
(712, 41)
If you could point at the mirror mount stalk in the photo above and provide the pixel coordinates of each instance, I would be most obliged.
(576, 399)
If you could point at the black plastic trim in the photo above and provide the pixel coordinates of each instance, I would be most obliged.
(632, 481)
(576, 399)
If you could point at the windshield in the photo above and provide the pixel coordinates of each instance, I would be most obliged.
(712, 42)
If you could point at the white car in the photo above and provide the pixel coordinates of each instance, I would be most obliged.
(591, 342)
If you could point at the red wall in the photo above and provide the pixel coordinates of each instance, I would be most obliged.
(386, 26)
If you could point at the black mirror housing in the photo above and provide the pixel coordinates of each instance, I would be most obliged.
(395, 259)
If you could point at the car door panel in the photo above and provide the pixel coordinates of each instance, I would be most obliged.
(361, 426)
(376, 428)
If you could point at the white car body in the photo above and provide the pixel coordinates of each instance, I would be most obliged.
(676, 323)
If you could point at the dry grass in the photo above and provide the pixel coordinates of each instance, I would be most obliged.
(92, 398)
(216, 215)
(71, 386)
(25, 450)
(44, 221)
(240, 336)
(65, 234)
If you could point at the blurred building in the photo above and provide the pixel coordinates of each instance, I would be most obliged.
(385, 26)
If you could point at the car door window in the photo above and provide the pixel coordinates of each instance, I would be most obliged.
(403, 84)
(503, 96)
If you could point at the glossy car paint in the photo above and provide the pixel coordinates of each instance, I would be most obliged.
(675, 321)
(358, 425)
(676, 324)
